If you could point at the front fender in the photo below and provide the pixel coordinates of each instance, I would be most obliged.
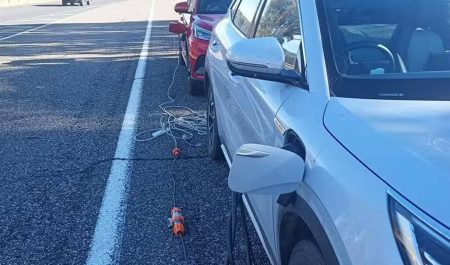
(308, 207)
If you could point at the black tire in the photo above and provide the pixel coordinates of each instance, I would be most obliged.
(213, 139)
(182, 62)
(81, 2)
(88, 3)
(306, 253)
(64, 3)
(180, 53)
(195, 87)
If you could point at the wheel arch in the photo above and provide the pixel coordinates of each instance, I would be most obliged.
(297, 220)
(294, 144)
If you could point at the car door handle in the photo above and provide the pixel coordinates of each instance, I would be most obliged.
(215, 46)
(235, 79)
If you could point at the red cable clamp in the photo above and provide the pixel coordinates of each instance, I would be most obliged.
(176, 152)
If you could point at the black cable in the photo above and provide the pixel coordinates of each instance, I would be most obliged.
(248, 245)
(231, 229)
(174, 182)
(230, 259)
(184, 249)
(236, 201)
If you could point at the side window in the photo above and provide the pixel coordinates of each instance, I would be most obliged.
(280, 19)
(245, 14)
(234, 7)
(192, 4)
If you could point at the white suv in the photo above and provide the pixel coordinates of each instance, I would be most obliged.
(359, 90)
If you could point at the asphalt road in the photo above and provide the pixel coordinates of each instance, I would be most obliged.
(65, 80)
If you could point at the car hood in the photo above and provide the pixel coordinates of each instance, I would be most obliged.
(207, 21)
(405, 143)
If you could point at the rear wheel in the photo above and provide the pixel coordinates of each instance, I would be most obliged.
(213, 133)
(180, 52)
(306, 253)
(195, 87)
(81, 2)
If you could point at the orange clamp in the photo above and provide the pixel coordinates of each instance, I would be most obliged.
(177, 221)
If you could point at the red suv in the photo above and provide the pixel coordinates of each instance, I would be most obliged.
(198, 18)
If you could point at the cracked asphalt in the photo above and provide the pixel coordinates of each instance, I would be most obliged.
(64, 88)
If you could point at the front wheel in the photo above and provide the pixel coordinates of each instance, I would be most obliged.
(306, 253)
(213, 133)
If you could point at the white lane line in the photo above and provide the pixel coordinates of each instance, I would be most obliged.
(34, 17)
(105, 245)
(46, 25)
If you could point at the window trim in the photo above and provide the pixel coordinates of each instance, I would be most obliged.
(259, 15)
(252, 23)
(236, 4)
(301, 48)
(304, 65)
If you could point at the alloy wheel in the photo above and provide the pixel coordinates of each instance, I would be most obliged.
(211, 119)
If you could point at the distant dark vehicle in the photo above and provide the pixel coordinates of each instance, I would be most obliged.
(73, 2)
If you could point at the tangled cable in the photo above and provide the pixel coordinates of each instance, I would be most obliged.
(179, 122)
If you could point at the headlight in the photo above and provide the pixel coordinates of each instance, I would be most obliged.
(201, 33)
(419, 243)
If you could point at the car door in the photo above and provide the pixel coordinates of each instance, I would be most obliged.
(237, 26)
(261, 100)
(252, 104)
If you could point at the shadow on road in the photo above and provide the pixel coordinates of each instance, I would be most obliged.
(48, 5)
(63, 92)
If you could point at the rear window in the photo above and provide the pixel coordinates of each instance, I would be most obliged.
(214, 6)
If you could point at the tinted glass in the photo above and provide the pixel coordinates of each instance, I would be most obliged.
(390, 36)
(245, 14)
(396, 49)
(280, 19)
(214, 6)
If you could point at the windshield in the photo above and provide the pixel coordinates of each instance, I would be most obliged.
(401, 46)
(214, 6)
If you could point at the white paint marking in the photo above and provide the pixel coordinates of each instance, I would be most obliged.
(34, 17)
(105, 245)
(46, 25)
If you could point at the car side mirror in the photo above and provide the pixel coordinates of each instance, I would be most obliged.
(177, 27)
(261, 58)
(260, 169)
(182, 7)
